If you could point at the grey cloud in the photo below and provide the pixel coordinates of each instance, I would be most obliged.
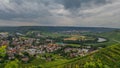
(23, 9)
(76, 4)
(72, 4)
(60, 12)
(10, 9)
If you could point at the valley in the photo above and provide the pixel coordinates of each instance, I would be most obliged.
(76, 47)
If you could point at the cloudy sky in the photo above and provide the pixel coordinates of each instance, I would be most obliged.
(88, 13)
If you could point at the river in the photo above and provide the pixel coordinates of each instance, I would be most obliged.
(101, 40)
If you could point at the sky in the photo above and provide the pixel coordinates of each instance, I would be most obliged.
(81, 13)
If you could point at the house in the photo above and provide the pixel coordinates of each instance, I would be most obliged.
(25, 59)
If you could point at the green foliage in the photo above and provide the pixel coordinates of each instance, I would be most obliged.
(12, 64)
(2, 51)
(97, 64)
(90, 65)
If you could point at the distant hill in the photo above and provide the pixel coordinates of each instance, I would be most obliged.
(53, 29)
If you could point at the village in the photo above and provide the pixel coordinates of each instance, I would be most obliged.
(25, 49)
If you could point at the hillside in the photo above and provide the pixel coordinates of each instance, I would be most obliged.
(105, 58)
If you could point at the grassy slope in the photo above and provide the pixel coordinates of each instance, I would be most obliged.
(108, 56)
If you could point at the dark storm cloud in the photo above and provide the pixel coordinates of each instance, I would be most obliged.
(10, 15)
(76, 4)
(72, 4)
(19, 2)
(10, 9)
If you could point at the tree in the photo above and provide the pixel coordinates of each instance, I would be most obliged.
(97, 64)
(90, 65)
(2, 51)
(12, 64)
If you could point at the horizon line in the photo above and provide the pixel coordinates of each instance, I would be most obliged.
(61, 26)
